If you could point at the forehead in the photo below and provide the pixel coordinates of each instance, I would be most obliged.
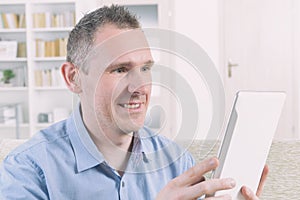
(113, 45)
(110, 33)
(137, 57)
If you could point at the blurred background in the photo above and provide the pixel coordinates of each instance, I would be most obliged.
(253, 44)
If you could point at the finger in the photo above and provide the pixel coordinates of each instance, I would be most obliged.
(248, 194)
(202, 178)
(195, 174)
(223, 197)
(262, 180)
(209, 187)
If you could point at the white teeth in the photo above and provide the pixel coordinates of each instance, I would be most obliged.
(131, 106)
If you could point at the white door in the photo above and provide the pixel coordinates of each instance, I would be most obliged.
(258, 52)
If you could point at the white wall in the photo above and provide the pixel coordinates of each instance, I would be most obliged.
(85, 6)
(199, 20)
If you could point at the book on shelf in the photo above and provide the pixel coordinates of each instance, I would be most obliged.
(50, 19)
(39, 48)
(20, 79)
(39, 20)
(48, 78)
(12, 20)
(52, 48)
(22, 21)
(22, 52)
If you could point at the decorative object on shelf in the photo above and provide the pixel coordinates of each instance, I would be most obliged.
(13, 76)
(7, 75)
(45, 117)
(56, 115)
(8, 49)
(12, 114)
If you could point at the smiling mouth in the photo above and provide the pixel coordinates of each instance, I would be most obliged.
(131, 105)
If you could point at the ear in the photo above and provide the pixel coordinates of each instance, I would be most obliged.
(71, 76)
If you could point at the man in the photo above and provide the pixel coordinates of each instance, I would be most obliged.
(102, 151)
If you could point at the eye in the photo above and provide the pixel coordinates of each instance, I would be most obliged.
(146, 68)
(119, 70)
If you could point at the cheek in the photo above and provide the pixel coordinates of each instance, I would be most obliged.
(104, 92)
(102, 103)
(149, 88)
(113, 86)
(102, 95)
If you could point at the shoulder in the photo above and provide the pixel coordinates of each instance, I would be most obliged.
(50, 136)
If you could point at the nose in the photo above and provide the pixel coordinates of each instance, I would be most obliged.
(139, 81)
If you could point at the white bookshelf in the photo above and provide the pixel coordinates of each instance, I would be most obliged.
(14, 60)
(35, 99)
(13, 89)
(13, 30)
(55, 29)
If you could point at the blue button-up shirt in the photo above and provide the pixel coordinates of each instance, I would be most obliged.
(62, 162)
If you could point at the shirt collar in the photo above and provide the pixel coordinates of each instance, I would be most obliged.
(86, 152)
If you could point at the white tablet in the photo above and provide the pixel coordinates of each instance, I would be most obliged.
(248, 138)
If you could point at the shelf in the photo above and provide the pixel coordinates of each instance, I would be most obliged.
(52, 29)
(51, 89)
(13, 30)
(50, 2)
(13, 89)
(23, 125)
(48, 59)
(9, 3)
(13, 60)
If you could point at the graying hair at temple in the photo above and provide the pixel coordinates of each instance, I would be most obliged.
(81, 38)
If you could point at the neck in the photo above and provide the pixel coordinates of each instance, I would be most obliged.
(116, 150)
(102, 133)
(114, 145)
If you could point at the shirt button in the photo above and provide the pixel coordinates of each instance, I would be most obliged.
(123, 184)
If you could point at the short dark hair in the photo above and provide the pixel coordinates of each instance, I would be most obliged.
(81, 38)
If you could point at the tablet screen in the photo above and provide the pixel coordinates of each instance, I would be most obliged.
(248, 138)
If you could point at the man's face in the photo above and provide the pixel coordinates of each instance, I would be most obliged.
(120, 90)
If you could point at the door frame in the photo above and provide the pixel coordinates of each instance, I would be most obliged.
(296, 65)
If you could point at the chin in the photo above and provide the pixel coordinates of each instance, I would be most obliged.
(129, 126)
(129, 122)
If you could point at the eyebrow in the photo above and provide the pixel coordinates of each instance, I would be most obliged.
(129, 63)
